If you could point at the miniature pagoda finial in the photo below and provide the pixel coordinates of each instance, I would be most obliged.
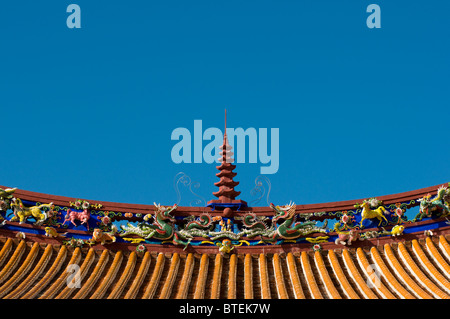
(226, 193)
(225, 129)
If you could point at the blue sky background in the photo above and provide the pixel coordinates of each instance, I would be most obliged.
(88, 112)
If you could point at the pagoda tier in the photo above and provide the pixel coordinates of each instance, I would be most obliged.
(226, 184)
(226, 193)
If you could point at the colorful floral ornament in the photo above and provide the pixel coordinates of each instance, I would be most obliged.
(84, 204)
(74, 242)
(398, 211)
(226, 246)
(54, 218)
(106, 220)
(140, 249)
(345, 218)
(316, 247)
(346, 222)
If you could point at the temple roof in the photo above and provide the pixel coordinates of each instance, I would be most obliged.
(409, 269)
(227, 249)
(415, 264)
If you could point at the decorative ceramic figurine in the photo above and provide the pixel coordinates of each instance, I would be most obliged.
(22, 213)
(369, 213)
(346, 238)
(83, 216)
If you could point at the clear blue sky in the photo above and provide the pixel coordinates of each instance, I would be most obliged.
(89, 112)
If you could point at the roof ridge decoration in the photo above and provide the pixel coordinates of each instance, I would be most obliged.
(226, 194)
(220, 232)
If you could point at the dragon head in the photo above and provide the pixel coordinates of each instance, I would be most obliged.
(286, 211)
(16, 203)
(164, 212)
(425, 203)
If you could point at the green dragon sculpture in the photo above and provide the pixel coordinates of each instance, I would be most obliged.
(194, 228)
(256, 226)
(161, 228)
(6, 195)
(288, 229)
(439, 204)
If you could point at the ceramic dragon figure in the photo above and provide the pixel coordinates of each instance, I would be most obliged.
(256, 226)
(438, 205)
(289, 229)
(162, 228)
(199, 227)
(6, 196)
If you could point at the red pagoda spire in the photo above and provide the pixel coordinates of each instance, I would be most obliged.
(226, 184)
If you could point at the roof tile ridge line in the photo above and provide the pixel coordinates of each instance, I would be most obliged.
(279, 277)
(426, 283)
(55, 286)
(341, 276)
(150, 290)
(430, 270)
(49, 274)
(109, 277)
(200, 284)
(33, 275)
(444, 246)
(93, 276)
(186, 277)
(171, 276)
(13, 261)
(118, 289)
(393, 283)
(324, 275)
(311, 281)
(437, 257)
(217, 277)
(21, 272)
(82, 271)
(248, 277)
(356, 276)
(294, 276)
(403, 276)
(139, 277)
(364, 264)
(6, 249)
(264, 277)
(232, 269)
